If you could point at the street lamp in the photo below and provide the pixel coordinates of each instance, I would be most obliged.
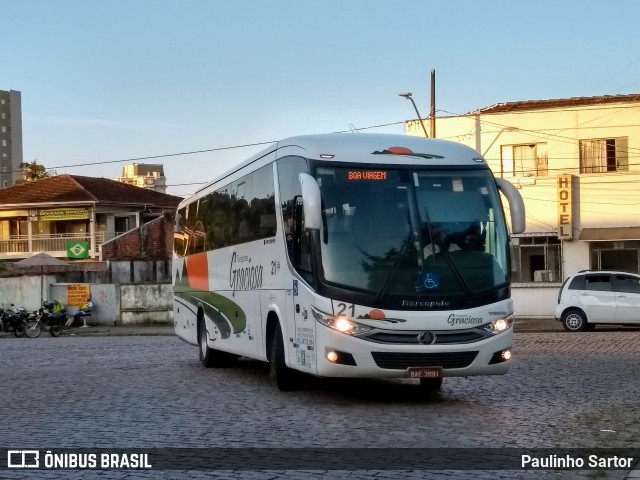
(407, 95)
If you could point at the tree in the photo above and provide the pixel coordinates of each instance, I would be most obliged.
(34, 171)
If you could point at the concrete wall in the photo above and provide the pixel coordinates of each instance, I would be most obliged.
(538, 302)
(26, 291)
(146, 304)
(114, 304)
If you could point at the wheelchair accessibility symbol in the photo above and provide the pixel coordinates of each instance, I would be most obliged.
(430, 281)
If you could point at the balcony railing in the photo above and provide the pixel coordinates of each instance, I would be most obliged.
(18, 245)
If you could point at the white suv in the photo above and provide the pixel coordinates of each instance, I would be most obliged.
(592, 297)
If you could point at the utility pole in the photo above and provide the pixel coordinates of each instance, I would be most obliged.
(432, 113)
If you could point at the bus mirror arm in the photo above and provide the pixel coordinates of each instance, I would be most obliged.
(516, 205)
(311, 202)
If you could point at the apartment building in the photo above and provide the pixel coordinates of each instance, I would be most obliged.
(145, 175)
(576, 162)
(10, 137)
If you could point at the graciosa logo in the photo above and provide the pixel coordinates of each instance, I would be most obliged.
(244, 277)
(464, 320)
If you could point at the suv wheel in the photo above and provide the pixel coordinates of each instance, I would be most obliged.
(574, 321)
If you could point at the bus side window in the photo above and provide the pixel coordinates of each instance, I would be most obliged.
(180, 237)
(301, 241)
(297, 238)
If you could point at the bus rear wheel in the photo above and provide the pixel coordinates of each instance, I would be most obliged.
(210, 357)
(285, 378)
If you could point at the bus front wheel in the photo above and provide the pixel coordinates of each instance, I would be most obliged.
(210, 357)
(284, 378)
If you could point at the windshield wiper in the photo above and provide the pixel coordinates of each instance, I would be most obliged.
(396, 264)
(444, 250)
(457, 273)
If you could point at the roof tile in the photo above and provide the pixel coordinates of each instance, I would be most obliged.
(528, 105)
(76, 188)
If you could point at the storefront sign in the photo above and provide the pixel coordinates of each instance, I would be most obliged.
(59, 214)
(77, 294)
(565, 214)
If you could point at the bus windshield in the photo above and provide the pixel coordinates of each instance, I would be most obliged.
(412, 232)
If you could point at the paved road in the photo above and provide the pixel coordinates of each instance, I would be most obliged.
(563, 391)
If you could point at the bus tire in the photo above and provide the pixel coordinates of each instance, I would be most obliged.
(210, 357)
(284, 377)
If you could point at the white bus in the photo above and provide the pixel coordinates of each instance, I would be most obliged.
(350, 255)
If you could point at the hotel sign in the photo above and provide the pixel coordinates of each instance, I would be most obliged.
(59, 214)
(565, 213)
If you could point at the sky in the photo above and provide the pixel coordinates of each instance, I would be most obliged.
(109, 83)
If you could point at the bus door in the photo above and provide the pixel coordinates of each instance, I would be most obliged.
(299, 303)
(304, 334)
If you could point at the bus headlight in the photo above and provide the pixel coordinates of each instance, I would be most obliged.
(500, 325)
(340, 323)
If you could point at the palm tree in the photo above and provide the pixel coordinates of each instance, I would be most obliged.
(34, 171)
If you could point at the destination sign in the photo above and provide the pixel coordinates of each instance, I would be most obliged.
(366, 175)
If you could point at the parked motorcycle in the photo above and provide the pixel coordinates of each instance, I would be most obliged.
(54, 322)
(13, 320)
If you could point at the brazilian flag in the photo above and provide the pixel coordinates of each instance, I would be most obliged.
(77, 249)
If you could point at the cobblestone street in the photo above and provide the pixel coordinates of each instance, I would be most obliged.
(563, 391)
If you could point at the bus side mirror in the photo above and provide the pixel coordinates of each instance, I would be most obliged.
(311, 202)
(176, 225)
(516, 205)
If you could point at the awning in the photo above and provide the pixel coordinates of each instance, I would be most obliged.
(614, 233)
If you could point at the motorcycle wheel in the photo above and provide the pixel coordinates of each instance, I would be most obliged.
(19, 329)
(55, 330)
(33, 329)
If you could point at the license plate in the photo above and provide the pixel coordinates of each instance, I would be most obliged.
(424, 372)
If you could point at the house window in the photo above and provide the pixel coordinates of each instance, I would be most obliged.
(528, 160)
(536, 259)
(621, 256)
(604, 155)
(121, 225)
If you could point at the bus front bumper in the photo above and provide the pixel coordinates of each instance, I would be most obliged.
(358, 358)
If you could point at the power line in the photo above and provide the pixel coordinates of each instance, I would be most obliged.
(153, 157)
(490, 160)
(208, 150)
